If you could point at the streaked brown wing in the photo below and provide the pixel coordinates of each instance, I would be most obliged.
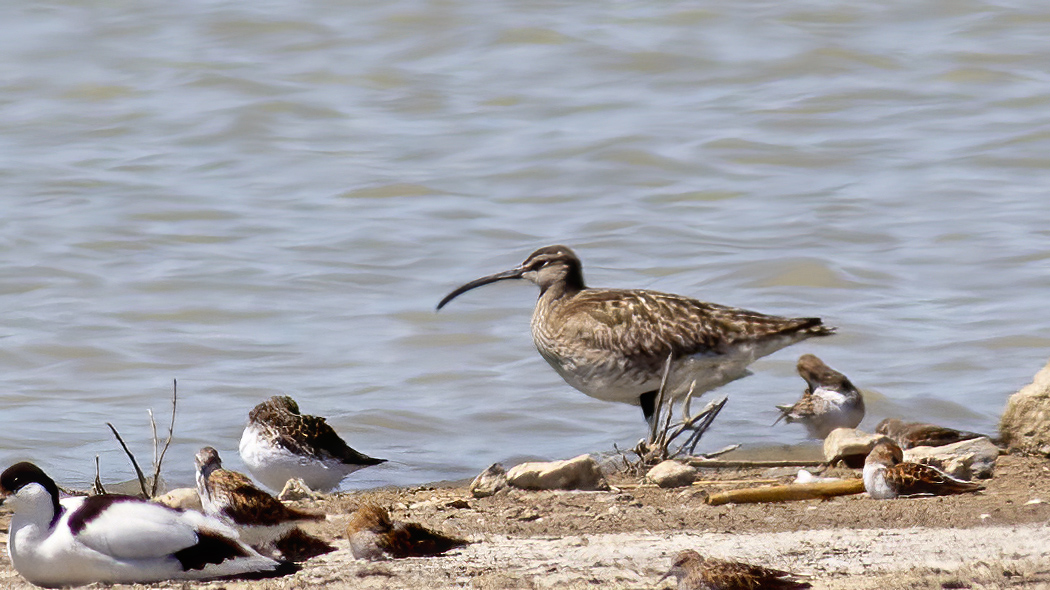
(413, 540)
(735, 575)
(652, 325)
(245, 503)
(934, 436)
(915, 478)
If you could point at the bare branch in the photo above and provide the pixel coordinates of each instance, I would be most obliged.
(153, 429)
(171, 431)
(96, 488)
(134, 463)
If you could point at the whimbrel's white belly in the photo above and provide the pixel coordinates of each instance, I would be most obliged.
(614, 378)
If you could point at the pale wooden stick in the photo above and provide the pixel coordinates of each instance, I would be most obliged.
(788, 493)
(729, 464)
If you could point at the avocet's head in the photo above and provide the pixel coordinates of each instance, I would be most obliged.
(25, 487)
(544, 267)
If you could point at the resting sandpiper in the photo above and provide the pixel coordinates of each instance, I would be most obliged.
(920, 434)
(259, 518)
(279, 444)
(612, 344)
(374, 535)
(887, 476)
(695, 572)
(831, 401)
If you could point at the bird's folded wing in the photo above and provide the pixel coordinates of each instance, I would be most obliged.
(141, 530)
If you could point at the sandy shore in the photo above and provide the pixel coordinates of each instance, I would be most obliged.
(624, 538)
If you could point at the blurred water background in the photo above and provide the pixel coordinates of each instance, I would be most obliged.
(270, 197)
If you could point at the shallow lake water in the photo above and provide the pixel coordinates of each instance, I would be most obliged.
(271, 197)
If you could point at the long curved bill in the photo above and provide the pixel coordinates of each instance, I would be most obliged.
(514, 273)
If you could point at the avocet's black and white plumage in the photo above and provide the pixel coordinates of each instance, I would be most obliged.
(114, 539)
(279, 444)
(259, 518)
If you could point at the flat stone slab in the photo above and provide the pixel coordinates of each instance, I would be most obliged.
(579, 473)
(967, 459)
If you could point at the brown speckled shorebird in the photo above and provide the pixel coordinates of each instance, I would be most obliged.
(829, 402)
(374, 535)
(612, 344)
(887, 476)
(279, 443)
(259, 518)
(695, 572)
(921, 434)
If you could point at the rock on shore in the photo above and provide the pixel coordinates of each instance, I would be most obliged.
(1025, 425)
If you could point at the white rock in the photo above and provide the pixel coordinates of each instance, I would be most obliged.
(296, 489)
(489, 482)
(849, 445)
(579, 473)
(672, 474)
(181, 499)
(805, 476)
(965, 459)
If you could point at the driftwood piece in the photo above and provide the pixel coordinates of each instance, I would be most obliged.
(788, 493)
(730, 464)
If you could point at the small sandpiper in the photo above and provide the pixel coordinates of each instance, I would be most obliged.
(612, 344)
(886, 476)
(279, 444)
(113, 539)
(259, 518)
(921, 434)
(830, 401)
(695, 572)
(374, 535)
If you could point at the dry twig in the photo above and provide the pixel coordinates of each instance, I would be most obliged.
(96, 487)
(134, 463)
(159, 459)
(664, 431)
(158, 453)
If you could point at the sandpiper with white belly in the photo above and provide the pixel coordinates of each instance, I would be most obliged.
(887, 476)
(829, 402)
(117, 539)
(259, 518)
(279, 444)
(612, 344)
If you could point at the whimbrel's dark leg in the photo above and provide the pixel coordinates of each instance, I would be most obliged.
(648, 401)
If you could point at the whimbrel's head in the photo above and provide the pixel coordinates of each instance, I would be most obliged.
(545, 267)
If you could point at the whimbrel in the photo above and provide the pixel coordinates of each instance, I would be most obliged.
(612, 344)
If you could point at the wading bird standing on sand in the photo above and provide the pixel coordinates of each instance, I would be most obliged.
(612, 344)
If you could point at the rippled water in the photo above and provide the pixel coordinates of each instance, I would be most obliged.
(270, 197)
